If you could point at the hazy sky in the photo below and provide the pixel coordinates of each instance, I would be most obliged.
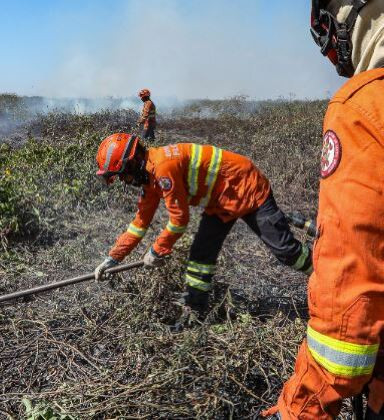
(177, 48)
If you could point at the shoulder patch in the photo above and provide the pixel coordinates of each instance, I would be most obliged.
(331, 154)
(165, 183)
(172, 150)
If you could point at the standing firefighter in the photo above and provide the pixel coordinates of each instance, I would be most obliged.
(148, 115)
(343, 351)
(227, 185)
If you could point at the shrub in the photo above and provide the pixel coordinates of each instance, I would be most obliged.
(43, 180)
(12, 106)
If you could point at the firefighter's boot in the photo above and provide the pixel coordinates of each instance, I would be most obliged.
(194, 308)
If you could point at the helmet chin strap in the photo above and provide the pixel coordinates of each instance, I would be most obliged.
(344, 42)
(139, 173)
(141, 176)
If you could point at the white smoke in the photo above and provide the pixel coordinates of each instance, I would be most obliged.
(212, 55)
(84, 105)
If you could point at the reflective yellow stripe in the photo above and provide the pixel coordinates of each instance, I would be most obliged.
(340, 357)
(344, 346)
(302, 258)
(341, 370)
(136, 231)
(193, 170)
(213, 170)
(174, 228)
(197, 284)
(201, 268)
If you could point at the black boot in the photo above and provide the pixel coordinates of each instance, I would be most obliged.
(194, 308)
(196, 299)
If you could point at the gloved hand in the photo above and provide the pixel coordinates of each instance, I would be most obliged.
(152, 259)
(107, 263)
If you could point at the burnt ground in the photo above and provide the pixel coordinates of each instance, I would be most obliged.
(106, 350)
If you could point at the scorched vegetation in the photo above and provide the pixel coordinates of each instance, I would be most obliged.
(106, 350)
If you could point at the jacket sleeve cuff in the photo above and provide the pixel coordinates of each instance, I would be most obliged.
(117, 258)
(154, 253)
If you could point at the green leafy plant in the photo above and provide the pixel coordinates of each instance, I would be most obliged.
(43, 411)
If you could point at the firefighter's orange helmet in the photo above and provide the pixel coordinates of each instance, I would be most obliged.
(144, 92)
(113, 155)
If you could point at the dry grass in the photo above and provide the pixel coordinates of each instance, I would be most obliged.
(106, 350)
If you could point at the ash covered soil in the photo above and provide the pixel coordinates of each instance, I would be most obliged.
(106, 350)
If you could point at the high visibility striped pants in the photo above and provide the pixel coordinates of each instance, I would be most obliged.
(268, 222)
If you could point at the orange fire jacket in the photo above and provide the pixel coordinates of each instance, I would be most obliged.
(223, 183)
(148, 114)
(346, 290)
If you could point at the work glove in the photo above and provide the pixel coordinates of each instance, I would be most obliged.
(152, 259)
(109, 262)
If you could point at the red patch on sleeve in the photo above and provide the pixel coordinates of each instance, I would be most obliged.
(331, 154)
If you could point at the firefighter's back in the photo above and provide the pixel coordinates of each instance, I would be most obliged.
(225, 183)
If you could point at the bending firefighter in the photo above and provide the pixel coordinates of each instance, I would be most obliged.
(148, 115)
(343, 353)
(227, 185)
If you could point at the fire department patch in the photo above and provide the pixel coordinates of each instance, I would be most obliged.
(165, 183)
(331, 154)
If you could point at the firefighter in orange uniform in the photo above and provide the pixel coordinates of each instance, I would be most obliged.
(227, 185)
(343, 350)
(148, 115)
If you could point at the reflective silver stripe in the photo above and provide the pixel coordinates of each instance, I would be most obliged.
(174, 228)
(212, 173)
(136, 231)
(341, 357)
(110, 150)
(201, 268)
(193, 170)
(299, 264)
(197, 284)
